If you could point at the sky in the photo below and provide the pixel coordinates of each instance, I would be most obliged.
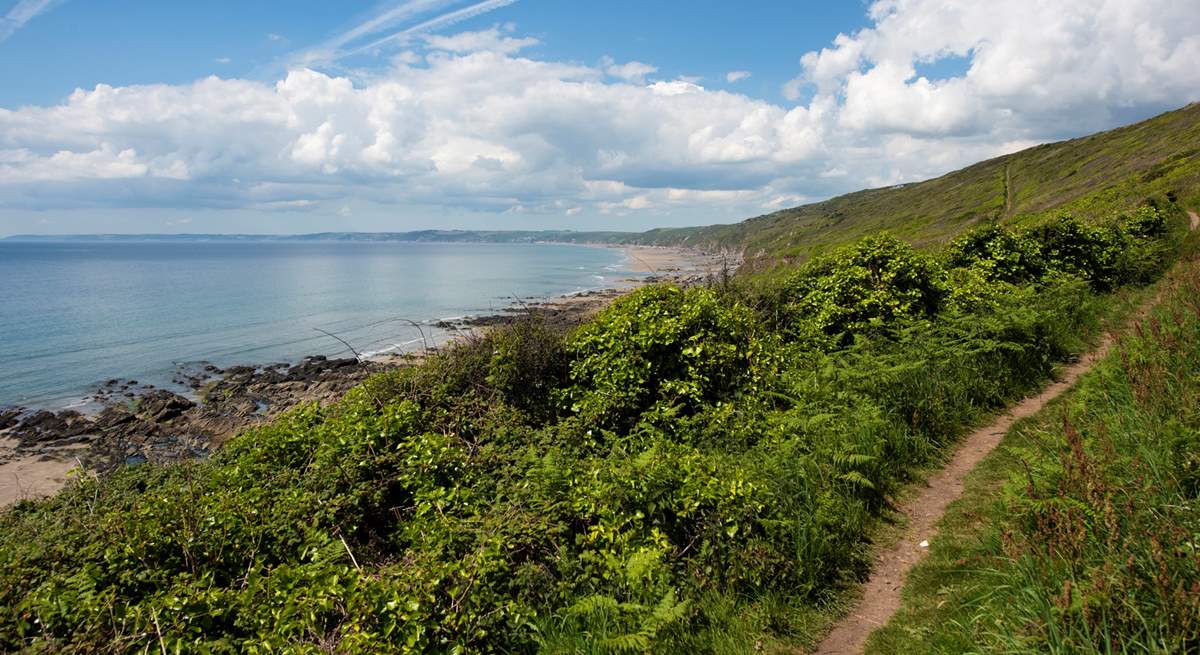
(303, 116)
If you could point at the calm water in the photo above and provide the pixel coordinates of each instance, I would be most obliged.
(75, 314)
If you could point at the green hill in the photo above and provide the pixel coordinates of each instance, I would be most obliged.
(1093, 175)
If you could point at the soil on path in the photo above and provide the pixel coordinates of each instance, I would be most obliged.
(881, 594)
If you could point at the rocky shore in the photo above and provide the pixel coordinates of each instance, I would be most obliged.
(139, 423)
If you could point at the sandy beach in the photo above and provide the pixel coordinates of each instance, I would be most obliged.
(673, 262)
(23, 477)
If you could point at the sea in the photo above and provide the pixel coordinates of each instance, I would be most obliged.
(74, 314)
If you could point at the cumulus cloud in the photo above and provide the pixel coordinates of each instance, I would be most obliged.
(736, 76)
(1032, 68)
(482, 129)
(472, 121)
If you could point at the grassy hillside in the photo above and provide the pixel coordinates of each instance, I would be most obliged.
(1094, 176)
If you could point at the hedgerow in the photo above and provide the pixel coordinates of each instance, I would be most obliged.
(692, 468)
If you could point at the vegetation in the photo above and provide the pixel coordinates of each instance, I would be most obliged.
(696, 470)
(1079, 534)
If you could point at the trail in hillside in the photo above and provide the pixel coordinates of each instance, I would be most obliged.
(881, 594)
(1008, 192)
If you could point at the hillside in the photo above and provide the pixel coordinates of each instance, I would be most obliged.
(1093, 175)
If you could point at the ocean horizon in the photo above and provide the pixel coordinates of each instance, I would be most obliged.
(74, 314)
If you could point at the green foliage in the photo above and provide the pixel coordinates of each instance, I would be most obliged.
(870, 284)
(660, 345)
(529, 360)
(1134, 249)
(999, 254)
(1071, 247)
(691, 471)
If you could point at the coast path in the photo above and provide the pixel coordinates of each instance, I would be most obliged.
(881, 594)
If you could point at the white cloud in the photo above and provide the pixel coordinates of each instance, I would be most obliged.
(1032, 67)
(481, 129)
(632, 71)
(490, 40)
(737, 76)
(21, 13)
(223, 60)
(365, 36)
(471, 121)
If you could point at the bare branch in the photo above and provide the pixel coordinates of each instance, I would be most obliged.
(357, 355)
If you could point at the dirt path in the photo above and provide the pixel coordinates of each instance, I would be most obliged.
(881, 594)
(1008, 192)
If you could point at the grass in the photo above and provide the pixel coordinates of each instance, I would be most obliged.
(1077, 535)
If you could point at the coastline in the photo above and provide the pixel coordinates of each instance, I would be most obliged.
(128, 423)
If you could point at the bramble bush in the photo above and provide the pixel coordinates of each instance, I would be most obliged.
(998, 254)
(661, 345)
(1133, 249)
(868, 285)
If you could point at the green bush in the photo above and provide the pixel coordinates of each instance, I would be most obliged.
(864, 286)
(999, 254)
(1073, 248)
(660, 345)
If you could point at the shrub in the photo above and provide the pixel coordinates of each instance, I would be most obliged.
(529, 361)
(869, 284)
(1074, 248)
(999, 254)
(1147, 222)
(660, 344)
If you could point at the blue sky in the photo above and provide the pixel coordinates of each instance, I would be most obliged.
(79, 43)
(137, 116)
